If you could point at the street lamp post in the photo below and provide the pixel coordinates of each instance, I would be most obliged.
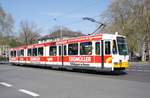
(61, 46)
(61, 36)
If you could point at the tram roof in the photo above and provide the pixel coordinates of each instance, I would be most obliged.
(71, 40)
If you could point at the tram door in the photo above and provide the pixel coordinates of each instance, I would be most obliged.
(99, 51)
(61, 61)
(62, 54)
(106, 53)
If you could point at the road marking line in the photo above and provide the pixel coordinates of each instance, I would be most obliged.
(29, 92)
(147, 70)
(133, 67)
(5, 84)
(133, 70)
(139, 70)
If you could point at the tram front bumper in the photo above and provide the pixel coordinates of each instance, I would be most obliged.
(121, 65)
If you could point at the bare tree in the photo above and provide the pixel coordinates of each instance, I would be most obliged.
(29, 33)
(65, 32)
(6, 26)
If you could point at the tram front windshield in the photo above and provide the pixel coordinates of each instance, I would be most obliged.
(122, 46)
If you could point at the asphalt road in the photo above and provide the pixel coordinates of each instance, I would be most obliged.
(28, 82)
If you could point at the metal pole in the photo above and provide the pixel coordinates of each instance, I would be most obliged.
(62, 49)
(61, 33)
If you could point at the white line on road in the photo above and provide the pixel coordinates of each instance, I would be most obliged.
(29, 92)
(133, 67)
(147, 70)
(5, 84)
(133, 70)
(139, 70)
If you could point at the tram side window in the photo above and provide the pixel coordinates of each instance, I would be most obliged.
(86, 48)
(73, 49)
(29, 52)
(107, 47)
(97, 48)
(59, 50)
(40, 51)
(34, 51)
(53, 50)
(14, 53)
(114, 50)
(11, 54)
(22, 53)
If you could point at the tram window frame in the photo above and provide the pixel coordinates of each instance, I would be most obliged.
(83, 48)
(98, 48)
(18, 52)
(34, 52)
(74, 47)
(114, 47)
(65, 50)
(40, 51)
(22, 52)
(53, 52)
(29, 52)
(107, 48)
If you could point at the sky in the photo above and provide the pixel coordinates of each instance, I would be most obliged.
(48, 14)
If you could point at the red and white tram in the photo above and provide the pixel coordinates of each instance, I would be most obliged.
(97, 52)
